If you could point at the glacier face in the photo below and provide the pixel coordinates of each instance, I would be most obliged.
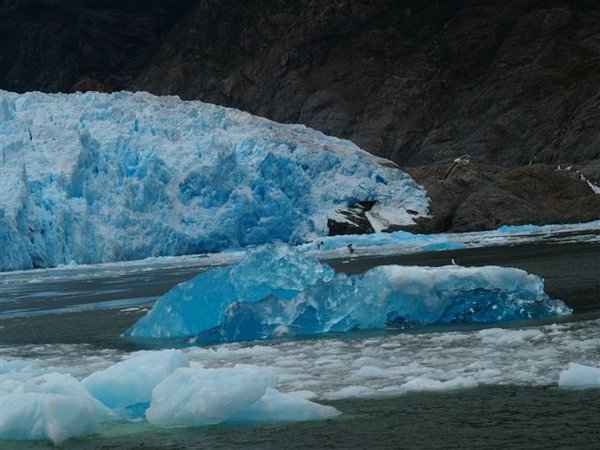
(106, 177)
(286, 293)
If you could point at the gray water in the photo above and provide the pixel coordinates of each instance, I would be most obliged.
(76, 318)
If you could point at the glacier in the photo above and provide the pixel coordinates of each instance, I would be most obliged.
(286, 293)
(93, 177)
(157, 386)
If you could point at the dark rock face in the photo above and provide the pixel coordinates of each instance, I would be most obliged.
(70, 45)
(479, 196)
(515, 84)
(356, 221)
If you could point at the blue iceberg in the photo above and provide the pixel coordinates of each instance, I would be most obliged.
(276, 291)
(200, 303)
(110, 177)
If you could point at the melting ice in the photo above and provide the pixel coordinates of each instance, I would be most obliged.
(110, 177)
(49, 400)
(275, 290)
(159, 386)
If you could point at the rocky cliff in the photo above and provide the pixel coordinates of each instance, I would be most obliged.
(515, 85)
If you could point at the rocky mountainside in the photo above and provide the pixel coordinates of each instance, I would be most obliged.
(515, 85)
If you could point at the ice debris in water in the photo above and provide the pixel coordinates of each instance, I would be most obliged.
(580, 376)
(156, 385)
(286, 293)
(99, 177)
(40, 405)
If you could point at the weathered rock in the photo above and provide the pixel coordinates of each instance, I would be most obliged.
(480, 196)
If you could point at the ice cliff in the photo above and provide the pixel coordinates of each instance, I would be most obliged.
(275, 291)
(105, 177)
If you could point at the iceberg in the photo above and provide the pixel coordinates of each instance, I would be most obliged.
(287, 294)
(126, 387)
(195, 397)
(157, 386)
(578, 376)
(98, 177)
(199, 304)
(52, 406)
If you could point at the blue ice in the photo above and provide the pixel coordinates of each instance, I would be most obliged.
(200, 303)
(276, 291)
(110, 177)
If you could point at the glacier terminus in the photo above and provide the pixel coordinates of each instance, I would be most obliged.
(95, 177)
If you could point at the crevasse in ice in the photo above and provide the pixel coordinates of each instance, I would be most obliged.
(108, 177)
(220, 305)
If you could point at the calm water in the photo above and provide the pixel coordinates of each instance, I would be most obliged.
(73, 318)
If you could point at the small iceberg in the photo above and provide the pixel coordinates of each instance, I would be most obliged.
(578, 376)
(157, 386)
(276, 291)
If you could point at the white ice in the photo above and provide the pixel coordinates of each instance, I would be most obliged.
(580, 376)
(131, 381)
(51, 406)
(38, 402)
(252, 382)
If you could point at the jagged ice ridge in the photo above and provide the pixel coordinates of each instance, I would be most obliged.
(275, 291)
(107, 177)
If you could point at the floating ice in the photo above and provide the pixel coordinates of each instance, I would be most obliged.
(127, 384)
(158, 386)
(414, 385)
(200, 303)
(108, 177)
(400, 242)
(218, 310)
(276, 406)
(415, 242)
(51, 406)
(580, 376)
(197, 396)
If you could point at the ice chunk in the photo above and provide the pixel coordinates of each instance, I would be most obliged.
(220, 310)
(408, 241)
(275, 406)
(98, 177)
(415, 385)
(196, 396)
(580, 376)
(21, 366)
(393, 296)
(50, 406)
(130, 382)
(55, 417)
(200, 303)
